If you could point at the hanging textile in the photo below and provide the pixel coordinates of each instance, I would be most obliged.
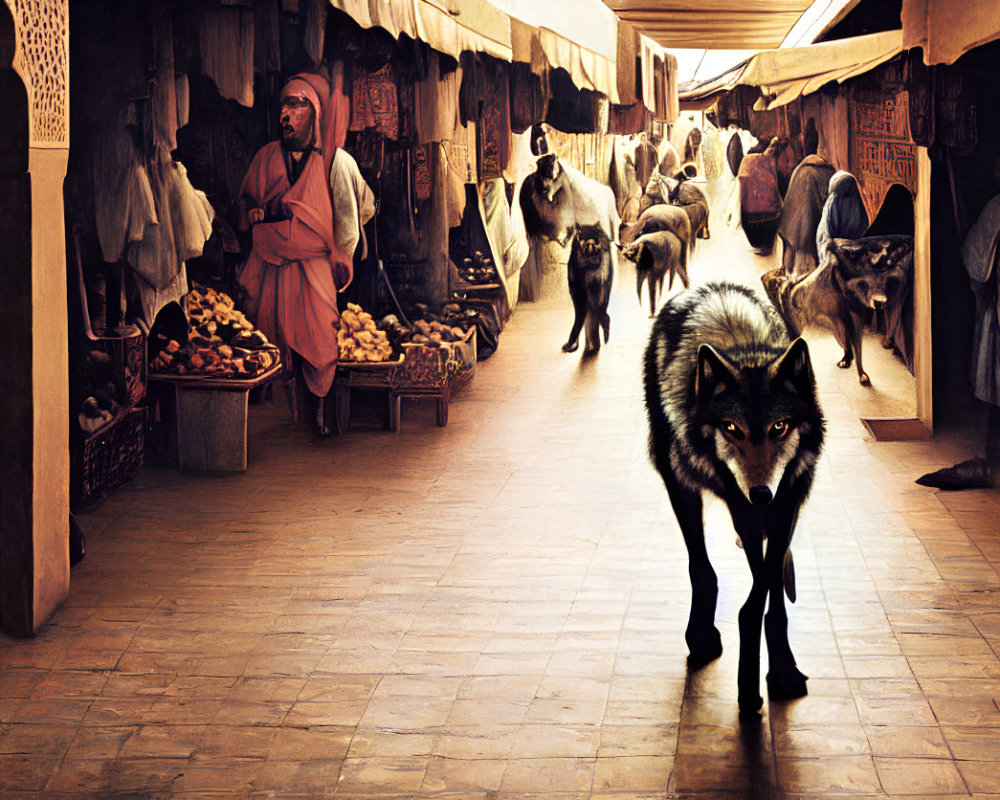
(164, 87)
(529, 98)
(435, 103)
(375, 102)
(353, 204)
(627, 120)
(628, 55)
(182, 91)
(226, 44)
(493, 130)
(314, 14)
(571, 110)
(422, 181)
(267, 37)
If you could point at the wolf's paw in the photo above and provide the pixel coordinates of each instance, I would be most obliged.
(864, 380)
(750, 703)
(786, 683)
(703, 648)
(570, 347)
(844, 363)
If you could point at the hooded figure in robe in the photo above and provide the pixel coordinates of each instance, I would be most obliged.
(295, 269)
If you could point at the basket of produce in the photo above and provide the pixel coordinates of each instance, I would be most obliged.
(221, 344)
(433, 351)
(367, 358)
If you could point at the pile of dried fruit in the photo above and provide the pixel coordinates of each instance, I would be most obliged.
(359, 339)
(221, 341)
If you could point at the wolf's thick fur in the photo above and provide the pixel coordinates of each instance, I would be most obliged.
(657, 255)
(590, 273)
(733, 410)
(855, 278)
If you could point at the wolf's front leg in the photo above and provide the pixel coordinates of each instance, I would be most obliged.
(751, 616)
(784, 680)
(703, 639)
(580, 310)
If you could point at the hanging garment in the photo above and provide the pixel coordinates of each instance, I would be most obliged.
(979, 254)
(267, 37)
(226, 44)
(631, 119)
(436, 103)
(353, 204)
(155, 258)
(191, 212)
(375, 102)
(182, 91)
(528, 97)
(493, 126)
(646, 159)
(164, 87)
(123, 196)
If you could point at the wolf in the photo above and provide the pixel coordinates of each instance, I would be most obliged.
(657, 255)
(590, 272)
(733, 410)
(556, 197)
(855, 278)
(661, 217)
(693, 200)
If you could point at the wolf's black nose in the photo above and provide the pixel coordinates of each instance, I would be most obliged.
(760, 495)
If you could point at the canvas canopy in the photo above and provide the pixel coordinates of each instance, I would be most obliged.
(449, 26)
(787, 73)
(946, 29)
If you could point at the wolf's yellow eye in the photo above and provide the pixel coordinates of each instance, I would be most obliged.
(733, 430)
(780, 429)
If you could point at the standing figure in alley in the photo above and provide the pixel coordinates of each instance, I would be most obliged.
(590, 271)
(760, 197)
(295, 268)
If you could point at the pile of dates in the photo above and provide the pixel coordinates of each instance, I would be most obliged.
(478, 270)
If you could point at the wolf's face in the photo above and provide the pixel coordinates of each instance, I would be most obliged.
(756, 416)
(873, 290)
(549, 172)
(874, 272)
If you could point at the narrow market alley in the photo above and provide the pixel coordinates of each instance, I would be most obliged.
(496, 608)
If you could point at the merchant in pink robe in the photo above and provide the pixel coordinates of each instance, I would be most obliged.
(295, 269)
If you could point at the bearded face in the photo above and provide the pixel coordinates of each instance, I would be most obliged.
(297, 119)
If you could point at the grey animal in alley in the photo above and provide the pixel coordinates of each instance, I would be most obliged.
(657, 256)
(856, 279)
(732, 408)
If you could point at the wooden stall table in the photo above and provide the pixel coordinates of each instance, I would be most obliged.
(206, 418)
(420, 371)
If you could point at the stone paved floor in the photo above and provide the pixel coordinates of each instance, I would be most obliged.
(495, 610)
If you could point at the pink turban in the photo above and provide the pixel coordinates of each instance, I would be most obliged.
(332, 106)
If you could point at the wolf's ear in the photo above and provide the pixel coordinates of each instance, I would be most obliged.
(794, 370)
(714, 374)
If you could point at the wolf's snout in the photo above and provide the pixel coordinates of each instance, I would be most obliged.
(760, 495)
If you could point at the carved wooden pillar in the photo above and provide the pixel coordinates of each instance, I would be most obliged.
(34, 417)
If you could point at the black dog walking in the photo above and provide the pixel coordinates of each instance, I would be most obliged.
(590, 273)
(732, 410)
